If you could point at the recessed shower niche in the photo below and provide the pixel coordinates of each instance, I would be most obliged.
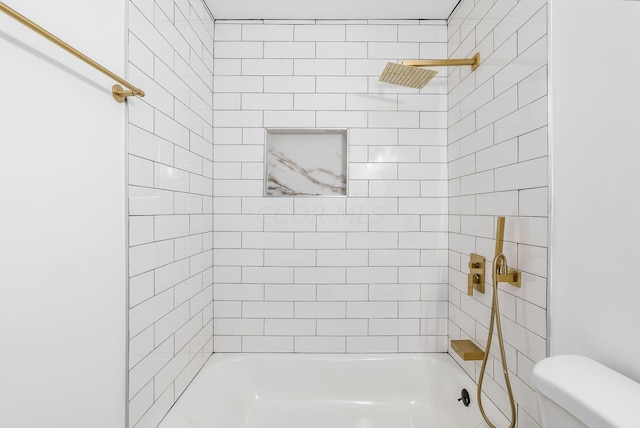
(307, 162)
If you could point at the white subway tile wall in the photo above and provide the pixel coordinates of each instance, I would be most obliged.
(497, 152)
(170, 203)
(365, 273)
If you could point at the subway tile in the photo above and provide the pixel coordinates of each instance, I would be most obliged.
(373, 171)
(289, 84)
(318, 32)
(228, 31)
(315, 240)
(372, 310)
(149, 146)
(372, 344)
(497, 156)
(238, 257)
(141, 288)
(422, 171)
(225, 49)
(341, 258)
(313, 206)
(388, 188)
(424, 206)
(266, 240)
(394, 154)
(341, 50)
(422, 310)
(342, 292)
(426, 138)
(227, 67)
(341, 119)
(227, 344)
(267, 67)
(341, 223)
(342, 327)
(240, 118)
(372, 275)
(228, 240)
(395, 223)
(371, 102)
(237, 292)
(377, 206)
(267, 344)
(372, 240)
(267, 275)
(289, 50)
(341, 84)
(290, 292)
(524, 65)
(315, 275)
(395, 119)
(526, 119)
(533, 87)
(140, 230)
(237, 84)
(523, 175)
(320, 310)
(290, 119)
(143, 258)
(289, 258)
(265, 32)
(233, 327)
(320, 344)
(420, 33)
(371, 33)
(267, 310)
(224, 309)
(292, 327)
(533, 202)
(171, 274)
(394, 327)
(499, 203)
(422, 343)
(373, 137)
(426, 102)
(365, 67)
(319, 67)
(394, 292)
(393, 50)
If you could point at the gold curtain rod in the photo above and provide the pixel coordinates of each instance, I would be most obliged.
(474, 62)
(119, 94)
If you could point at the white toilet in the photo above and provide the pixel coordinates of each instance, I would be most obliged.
(578, 392)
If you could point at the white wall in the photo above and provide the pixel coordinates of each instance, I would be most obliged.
(595, 131)
(170, 203)
(62, 221)
(498, 167)
(365, 273)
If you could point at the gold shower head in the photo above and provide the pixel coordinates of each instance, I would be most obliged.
(411, 75)
(406, 75)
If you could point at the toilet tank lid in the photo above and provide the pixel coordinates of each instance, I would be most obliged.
(595, 394)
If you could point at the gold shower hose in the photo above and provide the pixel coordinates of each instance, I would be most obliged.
(499, 262)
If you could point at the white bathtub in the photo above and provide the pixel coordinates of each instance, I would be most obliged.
(326, 391)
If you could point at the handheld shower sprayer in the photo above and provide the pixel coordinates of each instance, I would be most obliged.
(500, 273)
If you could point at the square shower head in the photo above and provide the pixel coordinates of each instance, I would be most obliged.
(406, 75)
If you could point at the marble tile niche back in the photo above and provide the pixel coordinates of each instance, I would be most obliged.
(306, 162)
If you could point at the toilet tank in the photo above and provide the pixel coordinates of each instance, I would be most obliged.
(577, 392)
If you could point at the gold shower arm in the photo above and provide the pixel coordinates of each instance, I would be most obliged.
(474, 62)
(119, 94)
